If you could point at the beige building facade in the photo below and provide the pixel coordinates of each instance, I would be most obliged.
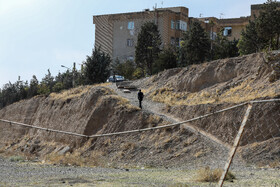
(116, 34)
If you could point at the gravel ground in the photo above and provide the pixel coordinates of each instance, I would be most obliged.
(147, 105)
(34, 174)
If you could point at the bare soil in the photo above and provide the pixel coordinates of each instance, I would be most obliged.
(171, 96)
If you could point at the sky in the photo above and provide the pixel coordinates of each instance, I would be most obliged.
(37, 35)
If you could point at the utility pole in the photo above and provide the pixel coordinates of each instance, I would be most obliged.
(73, 73)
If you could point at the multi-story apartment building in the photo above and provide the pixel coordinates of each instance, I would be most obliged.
(116, 34)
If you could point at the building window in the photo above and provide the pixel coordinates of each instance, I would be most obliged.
(172, 24)
(130, 42)
(130, 25)
(227, 31)
(180, 25)
(183, 26)
(177, 25)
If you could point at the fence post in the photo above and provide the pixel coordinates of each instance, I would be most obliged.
(236, 143)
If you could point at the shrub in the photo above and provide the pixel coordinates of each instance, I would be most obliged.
(208, 175)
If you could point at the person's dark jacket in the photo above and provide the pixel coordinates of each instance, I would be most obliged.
(140, 96)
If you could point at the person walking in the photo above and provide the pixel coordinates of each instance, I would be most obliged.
(140, 98)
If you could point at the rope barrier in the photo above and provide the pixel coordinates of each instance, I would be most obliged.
(264, 101)
(139, 130)
(42, 128)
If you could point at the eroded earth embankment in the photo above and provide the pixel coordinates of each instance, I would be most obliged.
(185, 92)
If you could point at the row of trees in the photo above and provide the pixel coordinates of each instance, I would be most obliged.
(95, 69)
(195, 47)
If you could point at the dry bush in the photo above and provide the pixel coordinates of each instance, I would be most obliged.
(209, 175)
(190, 141)
(107, 142)
(199, 153)
(128, 145)
(269, 164)
(274, 164)
(17, 158)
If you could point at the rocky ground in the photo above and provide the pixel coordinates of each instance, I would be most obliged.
(22, 173)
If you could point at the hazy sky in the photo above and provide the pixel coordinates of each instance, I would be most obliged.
(37, 35)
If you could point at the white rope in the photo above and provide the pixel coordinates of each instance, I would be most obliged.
(42, 128)
(264, 101)
(139, 130)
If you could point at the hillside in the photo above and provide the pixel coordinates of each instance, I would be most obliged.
(232, 80)
(173, 95)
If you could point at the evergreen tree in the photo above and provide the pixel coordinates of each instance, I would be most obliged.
(47, 84)
(148, 47)
(223, 48)
(167, 60)
(196, 44)
(33, 87)
(263, 32)
(116, 67)
(96, 67)
(268, 23)
(250, 41)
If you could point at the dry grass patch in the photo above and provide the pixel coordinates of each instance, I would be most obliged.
(72, 93)
(17, 158)
(246, 91)
(123, 102)
(274, 164)
(79, 91)
(209, 175)
(168, 96)
(95, 159)
(190, 141)
(127, 146)
(199, 153)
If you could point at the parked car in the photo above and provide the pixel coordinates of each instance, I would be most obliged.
(118, 78)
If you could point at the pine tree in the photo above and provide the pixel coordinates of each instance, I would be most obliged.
(148, 47)
(33, 87)
(167, 59)
(250, 41)
(96, 67)
(196, 45)
(267, 24)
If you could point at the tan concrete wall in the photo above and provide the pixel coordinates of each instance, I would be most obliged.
(122, 33)
(104, 33)
(236, 32)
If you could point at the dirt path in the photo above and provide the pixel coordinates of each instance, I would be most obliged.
(156, 108)
(147, 105)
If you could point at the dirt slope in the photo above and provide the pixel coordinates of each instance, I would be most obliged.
(96, 110)
(232, 80)
(173, 95)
